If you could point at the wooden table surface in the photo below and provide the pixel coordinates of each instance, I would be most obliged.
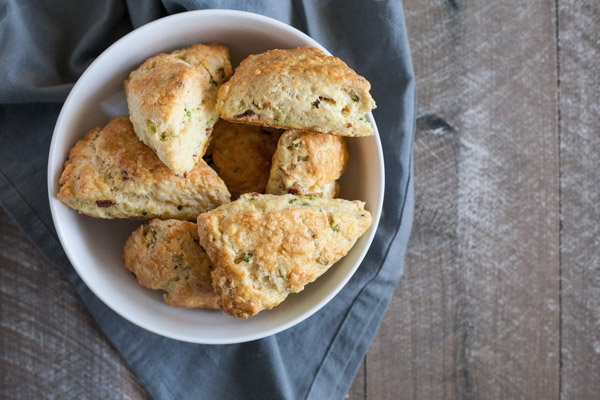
(500, 297)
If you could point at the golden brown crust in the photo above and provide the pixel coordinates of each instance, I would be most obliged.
(111, 174)
(171, 99)
(307, 164)
(265, 247)
(166, 255)
(242, 156)
(301, 89)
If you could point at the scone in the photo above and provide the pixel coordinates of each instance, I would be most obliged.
(265, 247)
(308, 163)
(166, 255)
(241, 155)
(301, 89)
(111, 174)
(171, 99)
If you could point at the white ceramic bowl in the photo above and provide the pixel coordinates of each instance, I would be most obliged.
(95, 247)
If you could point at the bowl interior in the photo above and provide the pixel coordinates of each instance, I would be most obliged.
(95, 247)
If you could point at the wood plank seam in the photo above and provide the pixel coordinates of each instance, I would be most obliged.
(560, 231)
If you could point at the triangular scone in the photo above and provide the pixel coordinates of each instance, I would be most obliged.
(265, 247)
(171, 99)
(308, 163)
(241, 154)
(111, 174)
(166, 255)
(301, 89)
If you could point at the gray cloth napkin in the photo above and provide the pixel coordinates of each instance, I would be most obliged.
(46, 45)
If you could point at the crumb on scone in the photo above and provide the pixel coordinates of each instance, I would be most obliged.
(171, 99)
(111, 174)
(301, 89)
(166, 255)
(307, 163)
(241, 154)
(265, 247)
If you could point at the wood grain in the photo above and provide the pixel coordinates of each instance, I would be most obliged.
(579, 67)
(477, 311)
(50, 347)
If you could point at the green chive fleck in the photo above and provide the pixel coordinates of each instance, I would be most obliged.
(163, 136)
(334, 228)
(151, 127)
(187, 112)
(286, 121)
(292, 201)
(282, 272)
(306, 204)
(144, 212)
(311, 197)
(276, 119)
(355, 98)
(247, 257)
(213, 82)
(296, 145)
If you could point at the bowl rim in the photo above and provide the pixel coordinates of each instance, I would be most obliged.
(55, 203)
